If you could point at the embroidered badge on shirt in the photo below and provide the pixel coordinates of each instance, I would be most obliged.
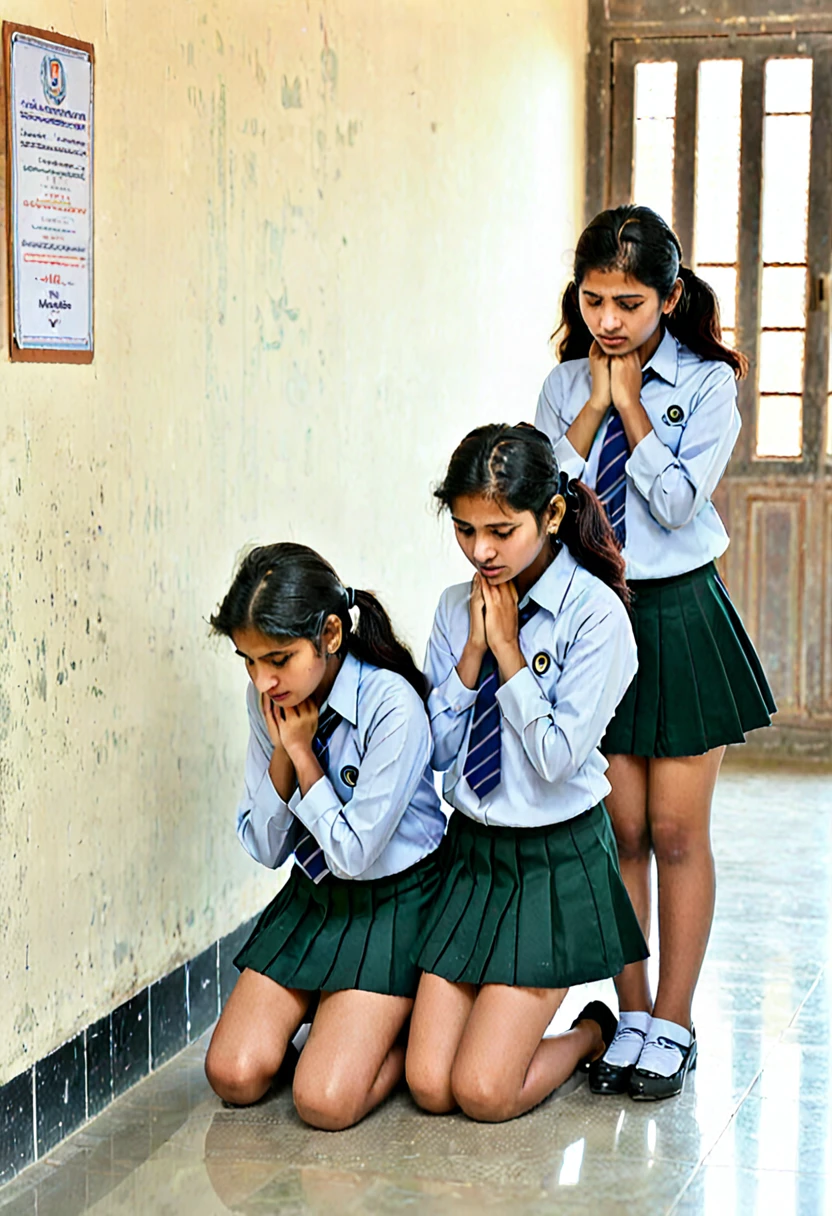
(541, 663)
(675, 416)
(349, 776)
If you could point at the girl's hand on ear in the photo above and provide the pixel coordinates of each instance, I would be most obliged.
(599, 370)
(296, 727)
(476, 623)
(625, 380)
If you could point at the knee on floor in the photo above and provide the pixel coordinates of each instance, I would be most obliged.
(330, 1108)
(482, 1097)
(430, 1088)
(235, 1079)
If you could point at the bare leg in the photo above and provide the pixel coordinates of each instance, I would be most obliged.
(627, 805)
(504, 1066)
(680, 790)
(351, 1060)
(251, 1037)
(439, 1018)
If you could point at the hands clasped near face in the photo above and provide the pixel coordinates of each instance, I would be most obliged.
(494, 619)
(292, 729)
(616, 379)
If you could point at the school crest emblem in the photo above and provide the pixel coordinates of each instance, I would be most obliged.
(674, 416)
(349, 776)
(53, 79)
(541, 663)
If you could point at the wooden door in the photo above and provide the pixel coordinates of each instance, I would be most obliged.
(731, 140)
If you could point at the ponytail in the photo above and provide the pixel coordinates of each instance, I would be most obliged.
(587, 533)
(374, 641)
(695, 322)
(637, 241)
(289, 591)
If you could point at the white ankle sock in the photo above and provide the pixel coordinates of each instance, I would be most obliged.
(626, 1047)
(660, 1053)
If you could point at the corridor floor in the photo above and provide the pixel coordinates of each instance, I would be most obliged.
(752, 1132)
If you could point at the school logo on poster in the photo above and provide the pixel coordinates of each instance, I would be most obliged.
(53, 79)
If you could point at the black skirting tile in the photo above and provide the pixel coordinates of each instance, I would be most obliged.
(203, 1000)
(131, 1041)
(61, 1093)
(17, 1131)
(168, 1017)
(99, 1066)
(230, 947)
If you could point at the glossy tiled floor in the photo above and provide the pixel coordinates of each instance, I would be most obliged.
(751, 1134)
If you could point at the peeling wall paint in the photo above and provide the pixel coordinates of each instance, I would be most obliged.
(329, 240)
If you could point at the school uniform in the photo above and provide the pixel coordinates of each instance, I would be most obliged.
(363, 839)
(700, 683)
(531, 891)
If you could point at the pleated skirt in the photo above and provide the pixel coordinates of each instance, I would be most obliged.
(341, 934)
(531, 907)
(699, 683)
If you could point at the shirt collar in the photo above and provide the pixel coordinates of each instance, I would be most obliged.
(550, 589)
(343, 696)
(664, 361)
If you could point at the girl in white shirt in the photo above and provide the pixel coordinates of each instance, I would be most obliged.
(642, 407)
(527, 664)
(338, 775)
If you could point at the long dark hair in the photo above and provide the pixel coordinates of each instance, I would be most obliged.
(516, 465)
(638, 242)
(288, 591)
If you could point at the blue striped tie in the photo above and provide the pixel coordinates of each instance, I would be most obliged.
(482, 768)
(308, 853)
(611, 482)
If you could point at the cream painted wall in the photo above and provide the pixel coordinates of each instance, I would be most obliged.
(330, 239)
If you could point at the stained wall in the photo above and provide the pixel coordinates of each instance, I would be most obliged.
(329, 239)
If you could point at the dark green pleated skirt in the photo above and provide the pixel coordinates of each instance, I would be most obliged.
(699, 682)
(344, 934)
(531, 907)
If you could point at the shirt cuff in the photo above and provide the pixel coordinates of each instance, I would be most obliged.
(570, 461)
(454, 695)
(521, 700)
(320, 802)
(267, 807)
(648, 460)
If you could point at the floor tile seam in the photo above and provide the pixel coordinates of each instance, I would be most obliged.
(675, 1205)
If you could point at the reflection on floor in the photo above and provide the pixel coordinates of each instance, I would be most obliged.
(751, 1134)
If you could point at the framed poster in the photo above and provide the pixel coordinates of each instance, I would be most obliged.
(49, 195)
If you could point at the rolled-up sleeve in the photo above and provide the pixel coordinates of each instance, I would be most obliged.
(449, 700)
(558, 737)
(677, 487)
(353, 834)
(549, 419)
(265, 824)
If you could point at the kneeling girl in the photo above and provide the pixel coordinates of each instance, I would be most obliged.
(338, 775)
(527, 665)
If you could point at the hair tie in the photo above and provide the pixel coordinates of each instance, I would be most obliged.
(567, 491)
(350, 594)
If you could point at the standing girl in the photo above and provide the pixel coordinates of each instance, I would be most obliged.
(527, 663)
(338, 774)
(642, 407)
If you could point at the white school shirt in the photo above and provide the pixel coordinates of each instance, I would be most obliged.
(581, 657)
(672, 525)
(375, 812)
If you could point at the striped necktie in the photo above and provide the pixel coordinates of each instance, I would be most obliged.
(611, 482)
(308, 853)
(484, 758)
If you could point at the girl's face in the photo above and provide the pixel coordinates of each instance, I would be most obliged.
(289, 670)
(621, 313)
(502, 543)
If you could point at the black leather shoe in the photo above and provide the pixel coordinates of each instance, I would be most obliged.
(597, 1011)
(651, 1086)
(607, 1078)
